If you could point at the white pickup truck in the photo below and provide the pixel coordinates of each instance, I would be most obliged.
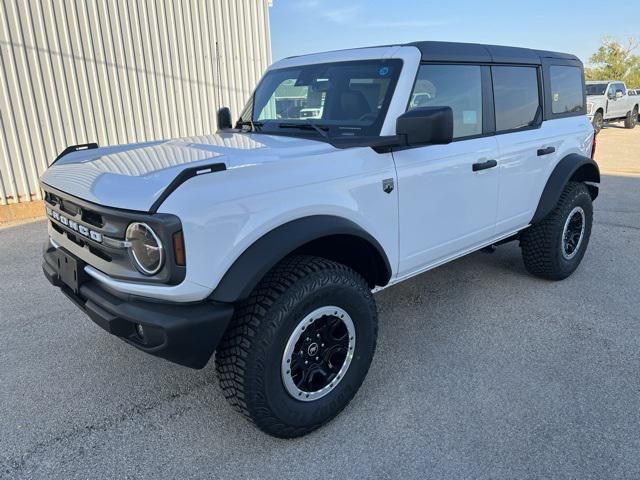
(609, 101)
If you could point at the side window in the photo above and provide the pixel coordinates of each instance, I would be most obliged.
(566, 89)
(516, 96)
(612, 90)
(620, 86)
(455, 86)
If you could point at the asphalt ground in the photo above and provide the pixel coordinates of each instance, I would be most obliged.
(482, 371)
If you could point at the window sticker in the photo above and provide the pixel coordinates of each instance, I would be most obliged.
(556, 97)
(383, 71)
(469, 117)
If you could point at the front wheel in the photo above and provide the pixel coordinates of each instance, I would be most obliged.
(554, 248)
(299, 348)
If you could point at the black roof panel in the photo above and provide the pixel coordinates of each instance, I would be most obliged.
(475, 52)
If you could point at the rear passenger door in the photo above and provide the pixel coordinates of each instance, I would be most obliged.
(526, 152)
(446, 206)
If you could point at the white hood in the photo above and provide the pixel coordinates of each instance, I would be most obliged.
(134, 176)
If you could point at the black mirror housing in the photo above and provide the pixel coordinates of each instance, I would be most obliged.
(224, 119)
(426, 126)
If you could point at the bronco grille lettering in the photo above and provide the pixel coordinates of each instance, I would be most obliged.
(75, 226)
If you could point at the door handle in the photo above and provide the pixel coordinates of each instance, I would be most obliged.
(546, 151)
(484, 165)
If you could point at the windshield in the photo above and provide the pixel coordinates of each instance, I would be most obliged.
(596, 88)
(340, 99)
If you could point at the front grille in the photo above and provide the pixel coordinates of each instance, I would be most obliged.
(75, 239)
(99, 253)
(74, 210)
(82, 227)
(69, 207)
(92, 218)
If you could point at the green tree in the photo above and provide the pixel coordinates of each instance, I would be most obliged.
(616, 61)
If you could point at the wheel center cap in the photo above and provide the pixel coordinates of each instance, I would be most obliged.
(313, 349)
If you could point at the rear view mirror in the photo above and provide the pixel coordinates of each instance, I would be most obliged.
(426, 126)
(224, 118)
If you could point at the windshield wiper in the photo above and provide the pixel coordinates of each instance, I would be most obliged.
(255, 126)
(306, 126)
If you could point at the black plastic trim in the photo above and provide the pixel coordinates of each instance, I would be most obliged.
(488, 104)
(245, 273)
(75, 148)
(582, 168)
(182, 177)
(186, 334)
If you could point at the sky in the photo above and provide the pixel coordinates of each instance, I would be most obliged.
(306, 26)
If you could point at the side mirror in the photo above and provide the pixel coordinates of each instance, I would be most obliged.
(619, 94)
(224, 118)
(426, 126)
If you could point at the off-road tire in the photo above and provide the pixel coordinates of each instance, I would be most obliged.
(542, 243)
(250, 355)
(598, 121)
(631, 118)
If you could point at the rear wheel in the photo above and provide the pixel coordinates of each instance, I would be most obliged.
(631, 119)
(299, 348)
(598, 121)
(554, 248)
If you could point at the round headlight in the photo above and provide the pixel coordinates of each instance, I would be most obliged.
(145, 248)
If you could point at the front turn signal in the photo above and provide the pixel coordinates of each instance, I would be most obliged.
(178, 249)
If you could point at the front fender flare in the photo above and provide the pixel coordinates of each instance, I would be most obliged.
(573, 167)
(252, 265)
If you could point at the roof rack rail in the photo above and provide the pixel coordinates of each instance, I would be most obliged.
(75, 148)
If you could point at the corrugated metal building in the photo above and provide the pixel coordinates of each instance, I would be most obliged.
(118, 71)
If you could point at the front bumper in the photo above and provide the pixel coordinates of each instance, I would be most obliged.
(186, 334)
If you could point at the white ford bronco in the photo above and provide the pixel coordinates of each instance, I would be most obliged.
(265, 241)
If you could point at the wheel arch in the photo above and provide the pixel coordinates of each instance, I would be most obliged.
(572, 168)
(328, 236)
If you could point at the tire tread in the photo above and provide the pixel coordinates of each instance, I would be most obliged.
(242, 336)
(538, 242)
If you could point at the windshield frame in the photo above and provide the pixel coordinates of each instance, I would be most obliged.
(332, 131)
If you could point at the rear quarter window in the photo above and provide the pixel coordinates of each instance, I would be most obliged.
(566, 89)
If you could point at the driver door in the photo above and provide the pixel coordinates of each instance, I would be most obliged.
(448, 194)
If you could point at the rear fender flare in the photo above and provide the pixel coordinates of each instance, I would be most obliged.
(573, 167)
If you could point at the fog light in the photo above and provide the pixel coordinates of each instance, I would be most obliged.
(140, 331)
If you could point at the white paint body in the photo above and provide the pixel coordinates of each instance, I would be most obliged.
(439, 210)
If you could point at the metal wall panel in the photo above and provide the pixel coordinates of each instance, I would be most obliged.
(118, 71)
